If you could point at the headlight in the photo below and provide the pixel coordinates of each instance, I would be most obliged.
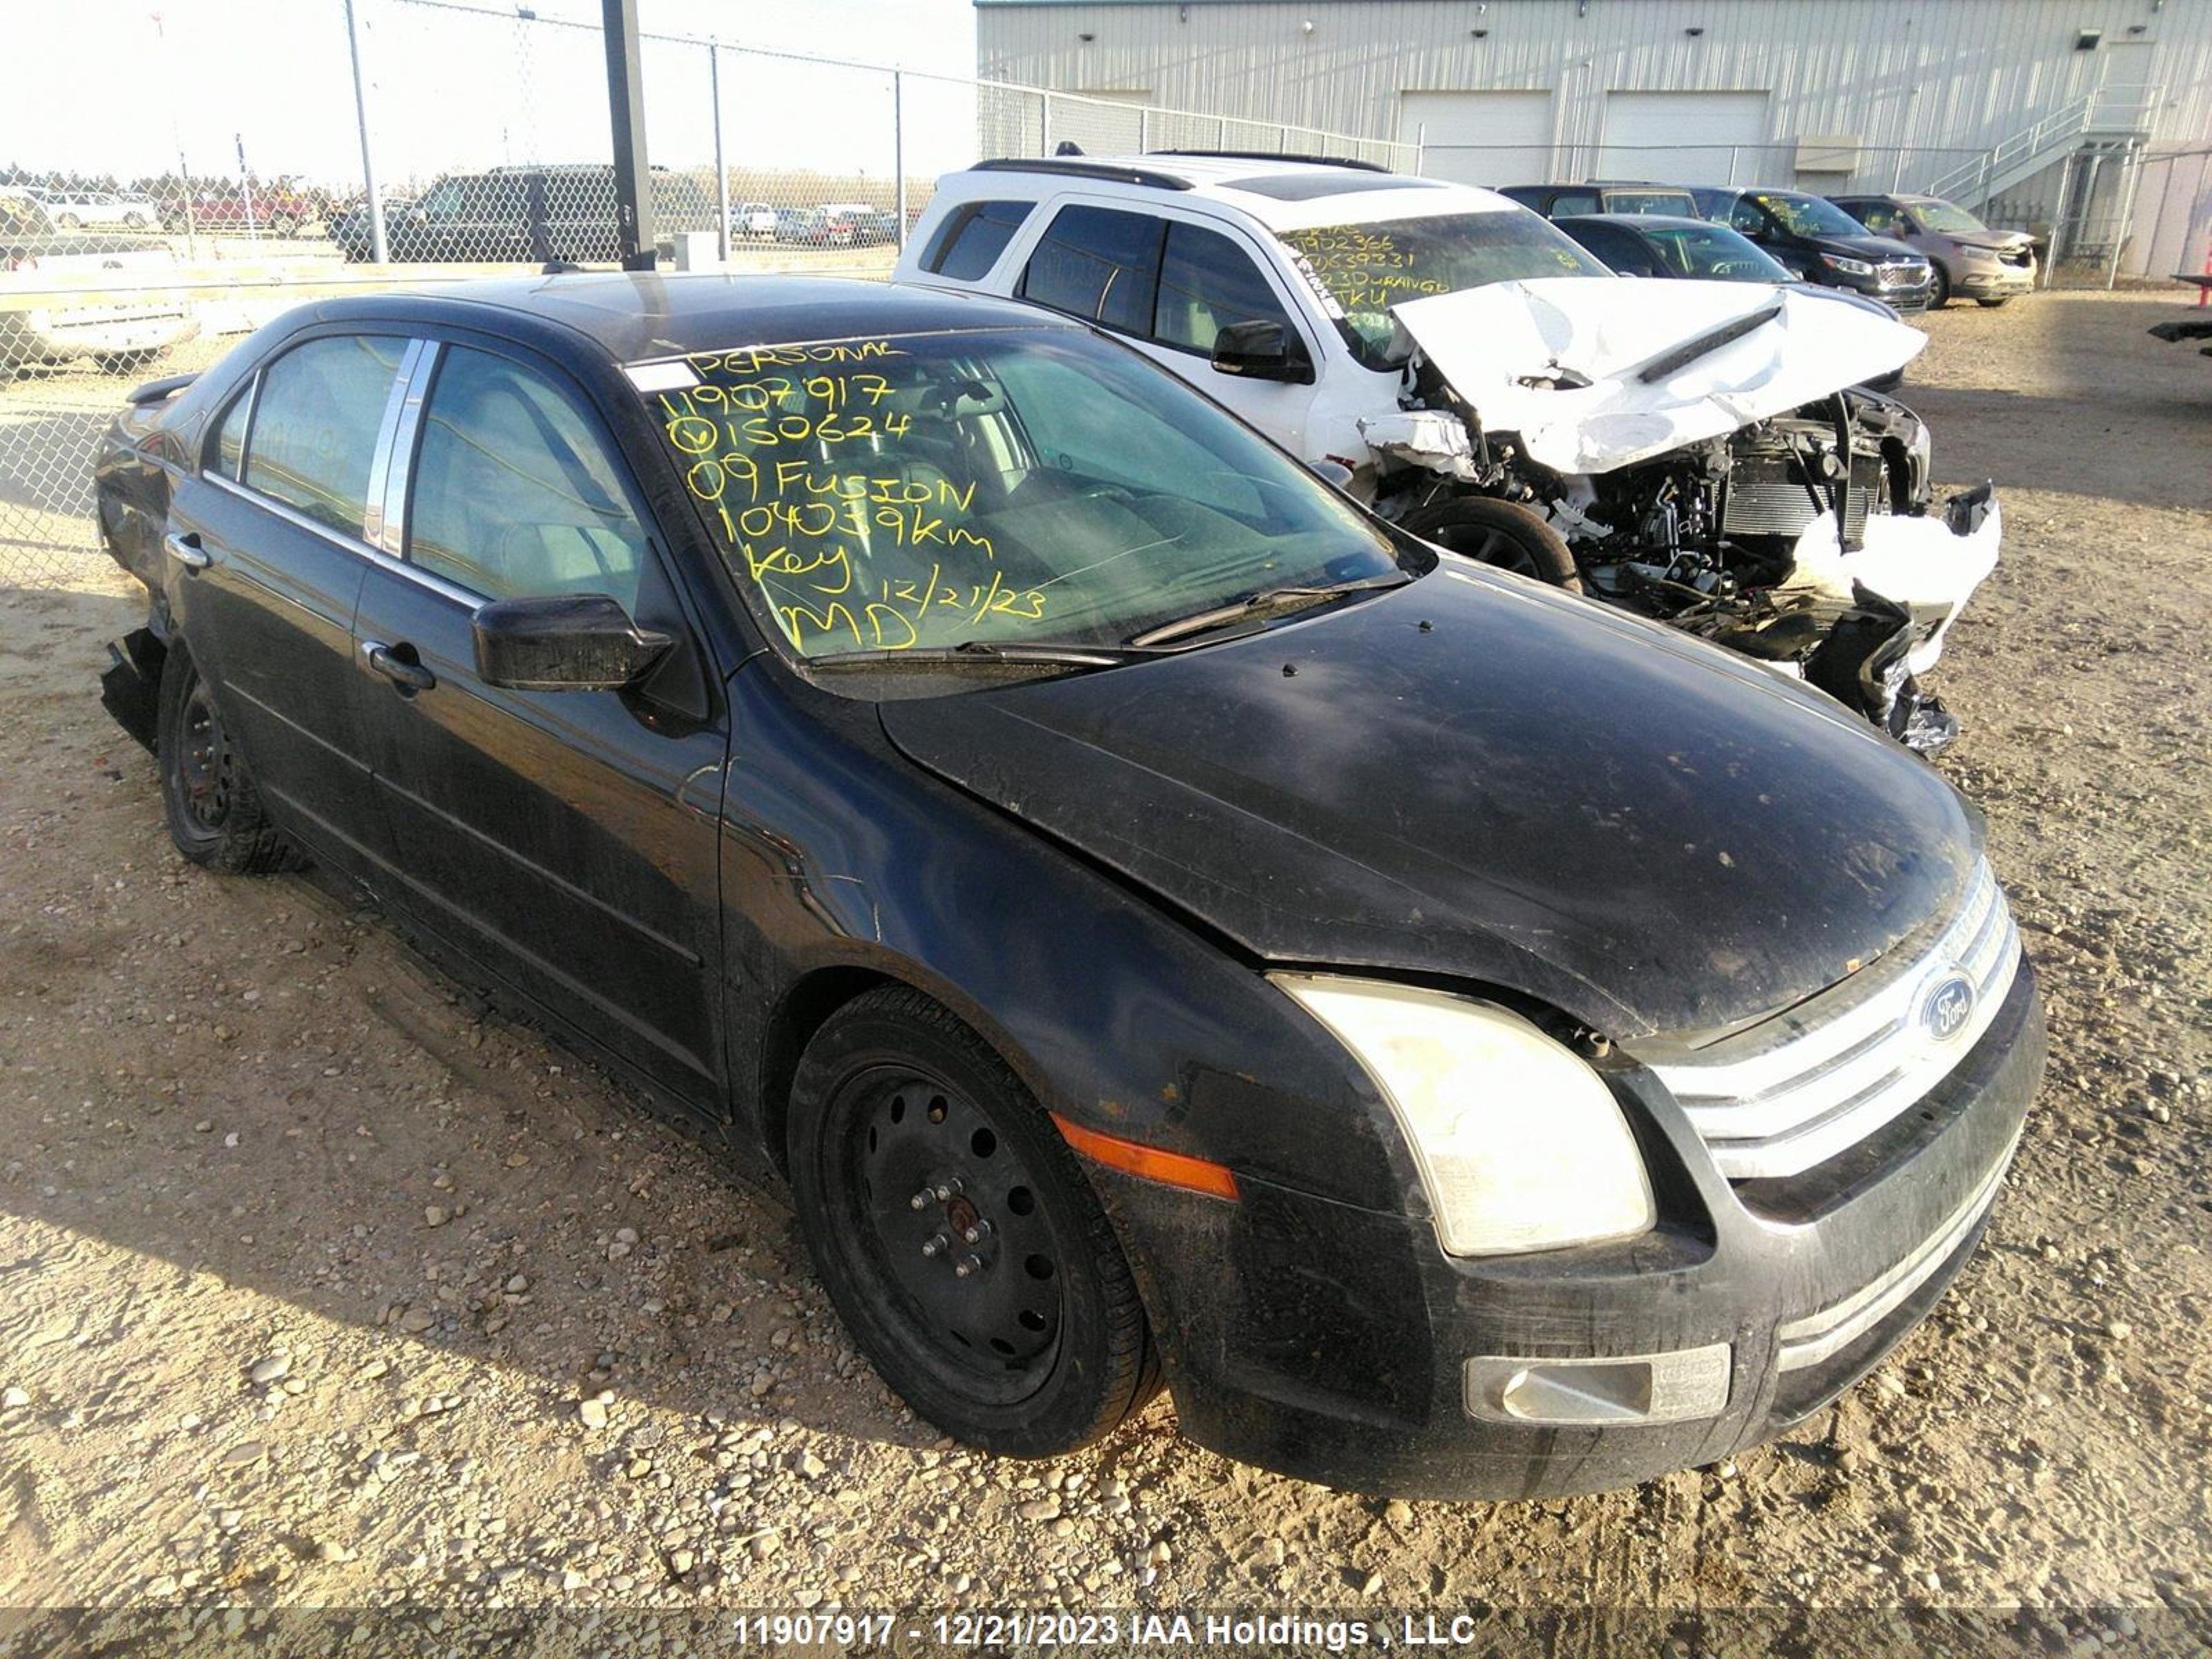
(1521, 1146)
(1850, 267)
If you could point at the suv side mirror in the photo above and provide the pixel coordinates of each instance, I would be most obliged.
(562, 642)
(1261, 350)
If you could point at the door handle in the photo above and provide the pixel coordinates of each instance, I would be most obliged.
(186, 550)
(407, 675)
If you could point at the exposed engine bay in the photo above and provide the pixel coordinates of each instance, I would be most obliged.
(1731, 535)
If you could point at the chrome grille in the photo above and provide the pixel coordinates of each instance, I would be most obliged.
(1795, 1090)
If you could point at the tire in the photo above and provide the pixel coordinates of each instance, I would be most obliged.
(69, 221)
(1500, 534)
(1939, 295)
(214, 812)
(127, 362)
(1998, 303)
(1042, 1347)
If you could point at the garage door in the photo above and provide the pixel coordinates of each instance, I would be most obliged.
(1686, 137)
(1481, 137)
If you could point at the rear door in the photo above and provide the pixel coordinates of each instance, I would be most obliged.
(566, 839)
(269, 548)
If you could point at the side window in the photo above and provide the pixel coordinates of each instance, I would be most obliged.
(514, 492)
(315, 426)
(1573, 201)
(1618, 249)
(230, 436)
(1748, 217)
(1099, 264)
(1207, 282)
(1883, 220)
(971, 239)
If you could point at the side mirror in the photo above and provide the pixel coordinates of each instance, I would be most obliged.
(562, 642)
(1261, 350)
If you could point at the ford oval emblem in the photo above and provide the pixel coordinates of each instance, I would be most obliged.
(1947, 1006)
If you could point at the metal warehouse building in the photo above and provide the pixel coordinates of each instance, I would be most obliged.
(2095, 115)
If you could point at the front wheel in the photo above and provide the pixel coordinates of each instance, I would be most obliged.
(214, 812)
(1500, 533)
(957, 1236)
(1939, 295)
(1992, 304)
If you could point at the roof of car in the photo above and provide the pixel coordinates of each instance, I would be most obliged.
(636, 316)
(1640, 220)
(1282, 193)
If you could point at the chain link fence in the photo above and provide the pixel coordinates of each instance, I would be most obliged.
(408, 141)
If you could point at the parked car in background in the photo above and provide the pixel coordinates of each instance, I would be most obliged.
(1823, 244)
(791, 223)
(1602, 196)
(835, 224)
(1700, 453)
(1969, 259)
(522, 214)
(69, 210)
(275, 207)
(1664, 247)
(753, 219)
(122, 333)
(1163, 921)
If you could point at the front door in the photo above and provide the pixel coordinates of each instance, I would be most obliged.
(565, 838)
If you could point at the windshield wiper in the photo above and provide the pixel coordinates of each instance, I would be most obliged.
(1045, 652)
(1257, 604)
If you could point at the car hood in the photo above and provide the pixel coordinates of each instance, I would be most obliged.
(1478, 778)
(1874, 248)
(1504, 347)
(1995, 238)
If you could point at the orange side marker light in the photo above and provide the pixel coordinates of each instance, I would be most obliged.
(1193, 1175)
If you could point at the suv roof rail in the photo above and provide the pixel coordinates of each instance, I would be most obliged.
(1084, 167)
(1278, 155)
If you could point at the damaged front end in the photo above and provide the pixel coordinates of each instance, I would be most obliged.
(1710, 461)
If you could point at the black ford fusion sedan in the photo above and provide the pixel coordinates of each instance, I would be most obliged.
(1164, 924)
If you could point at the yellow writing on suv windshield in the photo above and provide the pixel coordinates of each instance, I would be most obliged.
(848, 518)
(1362, 270)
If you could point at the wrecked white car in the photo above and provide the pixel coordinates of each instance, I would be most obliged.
(1702, 453)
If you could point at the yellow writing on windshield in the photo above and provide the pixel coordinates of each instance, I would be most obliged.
(1362, 270)
(849, 521)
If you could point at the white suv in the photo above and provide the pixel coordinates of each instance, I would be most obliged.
(1685, 450)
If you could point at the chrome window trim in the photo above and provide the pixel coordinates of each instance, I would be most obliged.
(349, 544)
(1816, 1336)
(414, 390)
(1792, 1092)
(374, 501)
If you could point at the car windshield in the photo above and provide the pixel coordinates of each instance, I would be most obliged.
(1946, 218)
(1002, 488)
(1360, 271)
(1808, 215)
(1715, 251)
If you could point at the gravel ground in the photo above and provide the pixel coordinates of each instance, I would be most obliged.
(324, 1285)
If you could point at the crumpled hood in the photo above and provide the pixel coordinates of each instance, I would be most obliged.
(1487, 341)
(1476, 777)
(1999, 239)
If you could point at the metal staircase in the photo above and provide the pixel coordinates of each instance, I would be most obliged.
(2109, 119)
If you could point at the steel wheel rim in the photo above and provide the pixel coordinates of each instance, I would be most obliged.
(915, 1165)
(204, 767)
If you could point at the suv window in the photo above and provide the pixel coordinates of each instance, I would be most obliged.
(1207, 282)
(316, 422)
(1572, 201)
(1747, 217)
(514, 495)
(1881, 217)
(971, 239)
(1619, 248)
(1099, 264)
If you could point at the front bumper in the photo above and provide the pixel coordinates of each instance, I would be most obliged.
(1340, 1346)
(1994, 281)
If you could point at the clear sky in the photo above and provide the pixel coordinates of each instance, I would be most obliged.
(119, 86)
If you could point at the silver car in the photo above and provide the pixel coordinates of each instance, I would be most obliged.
(1971, 261)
